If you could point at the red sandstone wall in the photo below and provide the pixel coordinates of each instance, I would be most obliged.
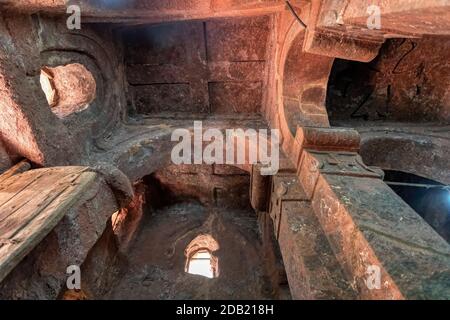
(215, 66)
(408, 81)
(221, 185)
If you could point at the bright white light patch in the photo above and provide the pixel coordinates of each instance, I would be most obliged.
(47, 87)
(200, 264)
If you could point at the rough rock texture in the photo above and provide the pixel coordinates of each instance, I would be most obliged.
(144, 145)
(27, 125)
(100, 270)
(106, 261)
(223, 186)
(151, 11)
(5, 161)
(408, 81)
(343, 16)
(117, 181)
(367, 224)
(75, 88)
(167, 217)
(127, 221)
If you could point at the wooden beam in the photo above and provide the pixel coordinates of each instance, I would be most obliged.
(31, 211)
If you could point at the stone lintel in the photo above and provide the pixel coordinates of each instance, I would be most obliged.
(332, 43)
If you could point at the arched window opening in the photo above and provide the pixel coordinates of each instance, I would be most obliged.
(200, 258)
(68, 89)
(201, 263)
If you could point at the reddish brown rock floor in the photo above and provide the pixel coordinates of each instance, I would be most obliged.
(156, 260)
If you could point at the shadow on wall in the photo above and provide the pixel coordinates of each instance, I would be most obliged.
(408, 81)
(427, 197)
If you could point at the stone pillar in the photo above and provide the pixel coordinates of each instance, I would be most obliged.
(371, 231)
(312, 269)
(259, 189)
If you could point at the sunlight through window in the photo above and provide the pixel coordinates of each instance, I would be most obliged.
(200, 258)
(200, 263)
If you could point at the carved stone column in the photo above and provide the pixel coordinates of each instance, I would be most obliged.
(371, 230)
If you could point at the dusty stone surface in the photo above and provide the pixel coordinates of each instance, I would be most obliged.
(204, 184)
(167, 217)
(367, 224)
(250, 59)
(106, 261)
(127, 221)
(157, 271)
(341, 45)
(350, 16)
(313, 270)
(414, 257)
(100, 270)
(151, 11)
(399, 16)
(144, 146)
